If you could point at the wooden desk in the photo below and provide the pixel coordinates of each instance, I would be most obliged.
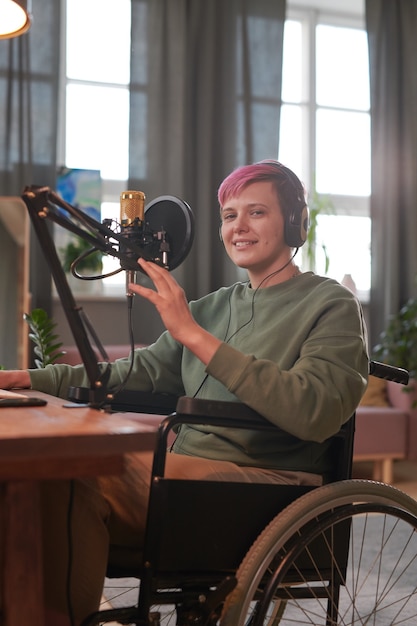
(49, 442)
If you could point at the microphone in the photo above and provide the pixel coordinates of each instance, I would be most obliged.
(140, 239)
(132, 219)
(161, 232)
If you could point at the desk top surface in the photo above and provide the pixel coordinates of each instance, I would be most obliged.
(57, 431)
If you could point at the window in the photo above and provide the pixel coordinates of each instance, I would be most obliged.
(325, 121)
(97, 86)
(325, 135)
(95, 132)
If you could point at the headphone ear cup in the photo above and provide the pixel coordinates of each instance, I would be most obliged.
(305, 223)
(296, 227)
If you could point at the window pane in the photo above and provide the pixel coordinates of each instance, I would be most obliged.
(343, 153)
(292, 69)
(348, 244)
(342, 67)
(97, 130)
(291, 138)
(98, 40)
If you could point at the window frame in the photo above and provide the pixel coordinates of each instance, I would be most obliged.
(310, 18)
(110, 187)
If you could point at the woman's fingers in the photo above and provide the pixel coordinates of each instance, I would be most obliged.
(159, 275)
(171, 303)
(145, 292)
(160, 278)
(168, 298)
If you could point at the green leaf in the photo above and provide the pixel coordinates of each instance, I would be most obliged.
(47, 344)
(76, 247)
(398, 342)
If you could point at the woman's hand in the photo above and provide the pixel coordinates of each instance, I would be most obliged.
(170, 302)
(168, 298)
(14, 379)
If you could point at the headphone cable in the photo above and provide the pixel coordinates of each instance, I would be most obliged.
(252, 315)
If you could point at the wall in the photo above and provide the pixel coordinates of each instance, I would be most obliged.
(14, 282)
(109, 317)
(348, 7)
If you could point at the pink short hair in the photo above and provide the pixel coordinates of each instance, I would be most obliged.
(288, 186)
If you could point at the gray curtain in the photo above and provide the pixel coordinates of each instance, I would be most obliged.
(214, 72)
(393, 52)
(29, 73)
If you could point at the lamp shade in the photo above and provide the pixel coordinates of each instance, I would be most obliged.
(15, 18)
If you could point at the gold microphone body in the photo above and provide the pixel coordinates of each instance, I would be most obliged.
(132, 215)
(132, 207)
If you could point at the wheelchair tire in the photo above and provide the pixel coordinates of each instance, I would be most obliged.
(377, 584)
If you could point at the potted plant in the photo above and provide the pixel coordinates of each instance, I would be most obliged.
(91, 264)
(318, 204)
(42, 334)
(398, 346)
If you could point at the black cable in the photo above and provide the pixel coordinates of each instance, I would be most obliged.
(124, 382)
(224, 339)
(131, 342)
(252, 315)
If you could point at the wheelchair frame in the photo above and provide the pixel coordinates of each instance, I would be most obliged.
(295, 552)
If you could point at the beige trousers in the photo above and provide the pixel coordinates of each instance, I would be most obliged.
(83, 518)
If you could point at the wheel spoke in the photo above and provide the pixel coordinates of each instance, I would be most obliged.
(375, 584)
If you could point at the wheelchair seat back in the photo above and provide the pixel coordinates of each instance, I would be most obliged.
(204, 526)
(207, 526)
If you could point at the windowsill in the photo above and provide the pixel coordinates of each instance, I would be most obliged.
(95, 292)
(363, 297)
(99, 291)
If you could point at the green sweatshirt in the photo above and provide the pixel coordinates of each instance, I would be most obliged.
(295, 352)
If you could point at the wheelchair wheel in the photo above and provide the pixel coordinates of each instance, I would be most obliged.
(345, 553)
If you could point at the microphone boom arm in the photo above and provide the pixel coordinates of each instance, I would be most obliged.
(44, 201)
(37, 203)
(163, 237)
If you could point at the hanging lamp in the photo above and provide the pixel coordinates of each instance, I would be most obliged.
(15, 18)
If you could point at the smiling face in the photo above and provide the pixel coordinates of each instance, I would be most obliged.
(253, 233)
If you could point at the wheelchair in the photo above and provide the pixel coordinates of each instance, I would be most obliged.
(242, 554)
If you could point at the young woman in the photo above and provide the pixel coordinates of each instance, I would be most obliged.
(291, 345)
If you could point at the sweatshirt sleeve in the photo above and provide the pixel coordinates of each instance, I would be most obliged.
(155, 368)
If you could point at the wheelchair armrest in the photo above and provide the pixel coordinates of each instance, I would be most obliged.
(144, 402)
(389, 372)
(206, 412)
(225, 414)
(216, 409)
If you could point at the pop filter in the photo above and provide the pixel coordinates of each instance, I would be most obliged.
(174, 216)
